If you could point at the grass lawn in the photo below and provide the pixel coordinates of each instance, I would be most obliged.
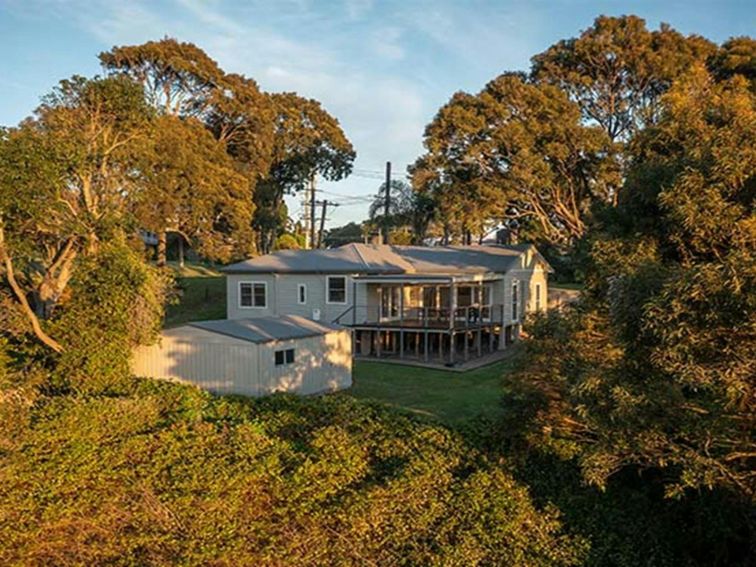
(203, 296)
(449, 397)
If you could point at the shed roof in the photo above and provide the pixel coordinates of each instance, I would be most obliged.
(266, 329)
(381, 259)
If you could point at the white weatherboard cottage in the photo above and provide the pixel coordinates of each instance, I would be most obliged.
(433, 304)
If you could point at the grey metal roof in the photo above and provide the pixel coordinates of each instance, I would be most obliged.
(265, 329)
(459, 259)
(349, 259)
(377, 259)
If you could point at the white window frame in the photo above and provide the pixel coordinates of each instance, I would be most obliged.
(285, 355)
(327, 290)
(300, 289)
(252, 283)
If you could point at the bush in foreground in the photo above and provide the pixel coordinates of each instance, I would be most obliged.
(162, 473)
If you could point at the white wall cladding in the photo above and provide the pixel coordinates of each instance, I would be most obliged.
(283, 296)
(226, 365)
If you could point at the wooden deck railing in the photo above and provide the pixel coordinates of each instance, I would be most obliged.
(422, 317)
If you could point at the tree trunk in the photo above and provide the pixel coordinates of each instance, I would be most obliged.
(162, 249)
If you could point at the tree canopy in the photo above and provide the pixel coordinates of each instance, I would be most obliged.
(165, 142)
(178, 78)
(192, 187)
(308, 142)
(67, 177)
(656, 368)
(617, 69)
(516, 150)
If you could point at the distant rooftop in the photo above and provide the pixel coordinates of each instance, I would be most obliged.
(382, 259)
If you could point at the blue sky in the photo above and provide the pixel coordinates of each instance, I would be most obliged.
(381, 67)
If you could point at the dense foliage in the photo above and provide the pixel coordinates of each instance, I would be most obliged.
(517, 151)
(166, 142)
(656, 369)
(67, 181)
(117, 304)
(192, 187)
(308, 142)
(279, 142)
(617, 70)
(161, 473)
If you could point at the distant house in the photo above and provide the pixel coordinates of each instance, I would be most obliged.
(430, 304)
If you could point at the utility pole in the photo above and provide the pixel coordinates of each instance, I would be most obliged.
(387, 204)
(322, 223)
(325, 203)
(312, 211)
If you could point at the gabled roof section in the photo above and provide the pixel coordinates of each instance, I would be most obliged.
(379, 259)
(266, 329)
(347, 259)
(458, 259)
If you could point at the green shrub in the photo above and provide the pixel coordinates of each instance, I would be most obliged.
(116, 303)
(157, 473)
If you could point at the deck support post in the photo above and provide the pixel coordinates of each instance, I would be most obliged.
(425, 349)
(467, 340)
(441, 346)
(452, 347)
(452, 319)
(480, 341)
(380, 302)
(401, 303)
(354, 302)
(401, 320)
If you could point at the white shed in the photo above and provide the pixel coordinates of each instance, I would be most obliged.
(252, 357)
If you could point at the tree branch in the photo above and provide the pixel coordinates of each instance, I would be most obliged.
(21, 297)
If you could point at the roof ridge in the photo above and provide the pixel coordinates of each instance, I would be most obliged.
(409, 264)
(359, 254)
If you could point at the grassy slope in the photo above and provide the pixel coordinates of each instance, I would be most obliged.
(450, 397)
(203, 296)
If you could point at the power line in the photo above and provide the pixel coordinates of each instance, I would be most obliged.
(366, 198)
